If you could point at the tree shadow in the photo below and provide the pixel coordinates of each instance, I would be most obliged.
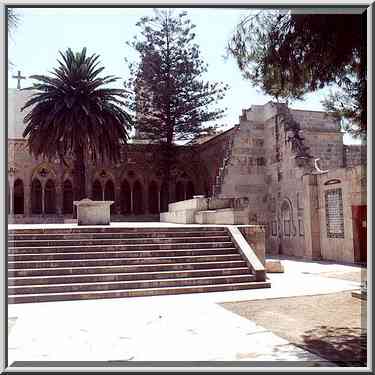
(342, 345)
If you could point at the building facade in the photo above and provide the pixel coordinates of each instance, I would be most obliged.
(301, 182)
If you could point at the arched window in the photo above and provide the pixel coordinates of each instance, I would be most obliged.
(189, 190)
(286, 216)
(180, 191)
(97, 192)
(137, 198)
(36, 197)
(50, 198)
(153, 198)
(125, 198)
(67, 197)
(109, 194)
(18, 197)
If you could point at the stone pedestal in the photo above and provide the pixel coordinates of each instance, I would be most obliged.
(93, 212)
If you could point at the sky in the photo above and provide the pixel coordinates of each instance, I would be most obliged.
(34, 46)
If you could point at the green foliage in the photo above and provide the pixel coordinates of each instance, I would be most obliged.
(13, 19)
(71, 109)
(169, 97)
(289, 54)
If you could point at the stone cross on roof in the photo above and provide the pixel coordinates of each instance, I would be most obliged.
(19, 77)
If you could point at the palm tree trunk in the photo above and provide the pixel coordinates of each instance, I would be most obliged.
(79, 176)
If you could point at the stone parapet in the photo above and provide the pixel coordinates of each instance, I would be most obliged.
(255, 235)
(248, 252)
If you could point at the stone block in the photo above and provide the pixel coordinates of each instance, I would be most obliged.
(197, 204)
(93, 212)
(178, 217)
(229, 216)
(274, 266)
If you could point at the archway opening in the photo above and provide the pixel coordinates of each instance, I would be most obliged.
(163, 198)
(180, 191)
(18, 197)
(36, 197)
(190, 190)
(50, 198)
(97, 192)
(137, 198)
(286, 219)
(109, 194)
(67, 197)
(153, 198)
(125, 198)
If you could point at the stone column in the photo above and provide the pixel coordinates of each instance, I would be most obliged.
(131, 200)
(43, 195)
(27, 200)
(117, 200)
(311, 218)
(11, 196)
(159, 199)
(59, 199)
(185, 189)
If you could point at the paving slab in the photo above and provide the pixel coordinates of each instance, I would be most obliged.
(190, 327)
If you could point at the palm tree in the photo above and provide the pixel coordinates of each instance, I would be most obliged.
(72, 113)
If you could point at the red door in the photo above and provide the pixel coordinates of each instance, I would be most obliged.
(360, 233)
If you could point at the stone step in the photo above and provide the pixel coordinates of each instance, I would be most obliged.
(116, 241)
(48, 280)
(106, 229)
(80, 235)
(121, 262)
(135, 292)
(121, 247)
(93, 270)
(120, 254)
(118, 285)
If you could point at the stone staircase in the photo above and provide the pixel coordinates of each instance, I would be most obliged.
(216, 190)
(109, 262)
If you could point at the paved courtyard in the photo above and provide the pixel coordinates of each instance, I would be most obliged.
(191, 327)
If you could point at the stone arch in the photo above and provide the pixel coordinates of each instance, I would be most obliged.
(137, 198)
(153, 198)
(97, 191)
(286, 217)
(44, 172)
(50, 197)
(18, 197)
(126, 196)
(67, 197)
(109, 194)
(190, 191)
(36, 197)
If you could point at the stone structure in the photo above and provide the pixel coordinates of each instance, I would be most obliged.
(93, 212)
(275, 159)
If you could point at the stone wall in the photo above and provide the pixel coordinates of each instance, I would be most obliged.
(339, 191)
(140, 169)
(355, 155)
(211, 155)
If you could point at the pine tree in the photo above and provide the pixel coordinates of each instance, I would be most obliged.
(170, 99)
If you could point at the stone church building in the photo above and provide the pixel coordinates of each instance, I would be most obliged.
(300, 181)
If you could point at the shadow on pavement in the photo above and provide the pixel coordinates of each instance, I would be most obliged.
(341, 345)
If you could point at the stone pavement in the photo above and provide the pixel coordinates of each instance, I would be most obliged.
(166, 328)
